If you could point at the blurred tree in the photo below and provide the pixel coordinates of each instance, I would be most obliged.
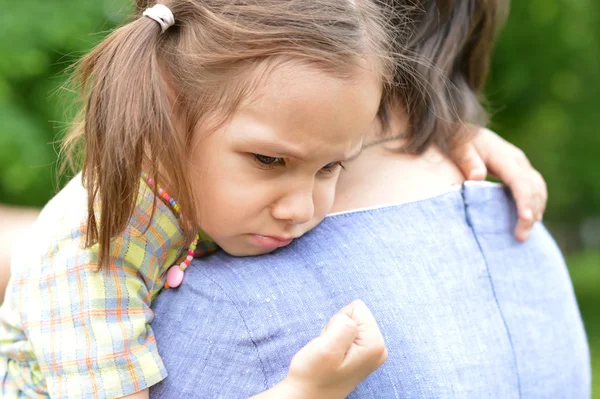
(543, 89)
(40, 39)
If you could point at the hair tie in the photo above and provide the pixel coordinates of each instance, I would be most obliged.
(161, 14)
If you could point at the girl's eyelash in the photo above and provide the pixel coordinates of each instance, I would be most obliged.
(267, 162)
(330, 167)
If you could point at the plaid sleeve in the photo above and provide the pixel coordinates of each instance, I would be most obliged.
(90, 330)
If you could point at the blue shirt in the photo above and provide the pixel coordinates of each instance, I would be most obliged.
(465, 309)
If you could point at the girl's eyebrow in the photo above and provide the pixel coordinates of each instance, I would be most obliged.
(279, 149)
(282, 150)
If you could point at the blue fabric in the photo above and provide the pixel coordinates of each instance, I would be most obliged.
(466, 310)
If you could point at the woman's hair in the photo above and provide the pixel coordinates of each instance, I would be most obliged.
(441, 84)
(137, 79)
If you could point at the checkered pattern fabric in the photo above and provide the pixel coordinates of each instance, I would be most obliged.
(70, 330)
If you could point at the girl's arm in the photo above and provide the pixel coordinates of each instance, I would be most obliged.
(349, 348)
(488, 152)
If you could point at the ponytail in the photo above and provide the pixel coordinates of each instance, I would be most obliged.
(126, 123)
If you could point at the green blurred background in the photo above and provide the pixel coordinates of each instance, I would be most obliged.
(543, 92)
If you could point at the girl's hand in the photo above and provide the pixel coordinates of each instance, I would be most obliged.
(490, 152)
(332, 365)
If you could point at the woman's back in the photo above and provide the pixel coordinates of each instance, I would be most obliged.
(466, 310)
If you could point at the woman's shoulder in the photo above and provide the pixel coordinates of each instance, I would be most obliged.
(456, 225)
(482, 205)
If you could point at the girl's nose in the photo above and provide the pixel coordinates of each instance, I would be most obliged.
(296, 208)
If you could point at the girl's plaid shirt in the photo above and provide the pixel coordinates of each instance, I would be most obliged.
(68, 330)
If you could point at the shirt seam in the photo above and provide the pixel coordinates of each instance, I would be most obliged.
(254, 344)
(493, 288)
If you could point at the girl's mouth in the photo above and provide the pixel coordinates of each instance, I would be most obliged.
(270, 242)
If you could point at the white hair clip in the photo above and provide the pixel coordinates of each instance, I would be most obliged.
(161, 14)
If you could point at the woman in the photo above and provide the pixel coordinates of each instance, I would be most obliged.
(466, 310)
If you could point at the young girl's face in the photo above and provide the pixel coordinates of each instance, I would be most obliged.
(269, 174)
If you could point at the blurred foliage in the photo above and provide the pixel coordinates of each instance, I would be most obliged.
(585, 275)
(543, 92)
(40, 40)
(543, 89)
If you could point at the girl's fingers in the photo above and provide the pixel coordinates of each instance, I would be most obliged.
(469, 161)
(338, 335)
(542, 198)
(530, 196)
(513, 168)
(369, 346)
(358, 311)
(523, 228)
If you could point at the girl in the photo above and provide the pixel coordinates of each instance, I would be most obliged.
(243, 88)
(256, 83)
(184, 92)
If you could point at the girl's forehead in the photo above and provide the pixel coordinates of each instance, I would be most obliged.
(304, 112)
(291, 75)
(298, 79)
(268, 137)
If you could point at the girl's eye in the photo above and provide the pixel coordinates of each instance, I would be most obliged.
(266, 160)
(332, 166)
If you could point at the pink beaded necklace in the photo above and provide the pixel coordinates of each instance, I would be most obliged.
(175, 273)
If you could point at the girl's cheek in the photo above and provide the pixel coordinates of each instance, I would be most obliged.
(324, 196)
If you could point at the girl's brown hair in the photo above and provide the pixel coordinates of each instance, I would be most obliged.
(441, 83)
(137, 79)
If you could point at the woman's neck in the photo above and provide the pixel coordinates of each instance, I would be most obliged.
(384, 174)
